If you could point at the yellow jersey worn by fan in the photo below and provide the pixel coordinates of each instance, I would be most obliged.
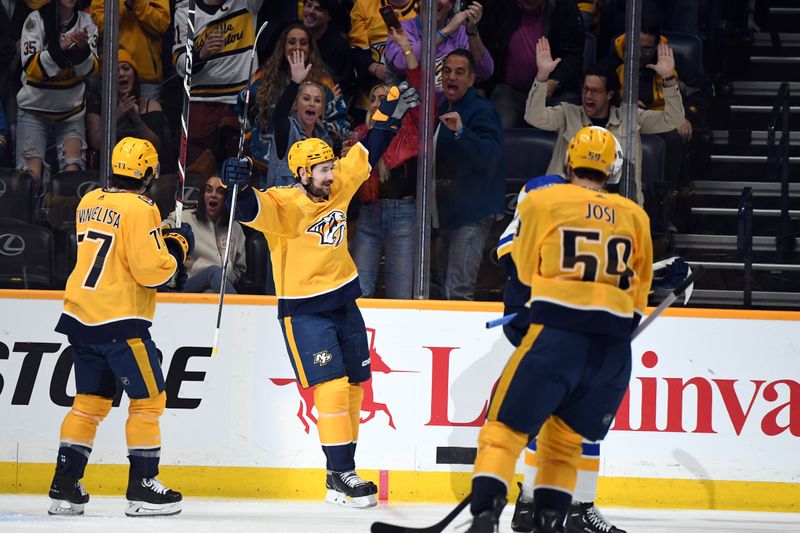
(579, 249)
(122, 257)
(311, 265)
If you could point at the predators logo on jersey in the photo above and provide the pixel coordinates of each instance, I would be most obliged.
(330, 229)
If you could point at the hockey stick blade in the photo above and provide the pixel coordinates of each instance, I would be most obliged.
(382, 527)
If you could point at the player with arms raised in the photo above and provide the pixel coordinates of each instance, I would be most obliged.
(587, 256)
(317, 283)
(109, 303)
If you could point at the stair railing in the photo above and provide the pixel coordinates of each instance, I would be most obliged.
(744, 241)
(778, 157)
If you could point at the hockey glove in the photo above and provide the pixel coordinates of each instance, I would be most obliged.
(390, 114)
(236, 171)
(179, 241)
(669, 273)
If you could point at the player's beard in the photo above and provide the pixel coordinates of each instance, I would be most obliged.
(317, 192)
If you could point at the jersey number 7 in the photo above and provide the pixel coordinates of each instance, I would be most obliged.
(106, 240)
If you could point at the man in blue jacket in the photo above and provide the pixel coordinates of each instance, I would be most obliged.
(470, 175)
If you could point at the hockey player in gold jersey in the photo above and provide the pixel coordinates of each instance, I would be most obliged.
(587, 257)
(317, 283)
(109, 302)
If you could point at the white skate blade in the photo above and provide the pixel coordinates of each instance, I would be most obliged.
(360, 502)
(137, 509)
(65, 508)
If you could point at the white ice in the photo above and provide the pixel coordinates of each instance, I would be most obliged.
(28, 513)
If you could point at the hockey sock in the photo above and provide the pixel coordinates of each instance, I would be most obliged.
(356, 394)
(559, 452)
(332, 399)
(143, 433)
(78, 430)
(498, 449)
(588, 472)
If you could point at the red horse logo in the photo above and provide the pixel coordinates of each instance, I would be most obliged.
(368, 405)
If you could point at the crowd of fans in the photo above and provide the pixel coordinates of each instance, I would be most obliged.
(323, 66)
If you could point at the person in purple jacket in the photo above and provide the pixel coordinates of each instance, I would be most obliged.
(454, 31)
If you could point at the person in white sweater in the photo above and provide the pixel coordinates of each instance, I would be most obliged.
(209, 221)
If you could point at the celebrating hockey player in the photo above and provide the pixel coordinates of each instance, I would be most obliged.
(317, 283)
(587, 256)
(583, 517)
(109, 304)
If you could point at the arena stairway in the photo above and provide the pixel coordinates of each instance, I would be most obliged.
(710, 217)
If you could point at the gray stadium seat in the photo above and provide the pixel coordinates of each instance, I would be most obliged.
(26, 256)
(16, 195)
(653, 154)
(65, 191)
(589, 51)
(162, 192)
(688, 51)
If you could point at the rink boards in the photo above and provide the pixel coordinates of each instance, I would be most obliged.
(712, 418)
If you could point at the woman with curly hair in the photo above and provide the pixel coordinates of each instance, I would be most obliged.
(269, 83)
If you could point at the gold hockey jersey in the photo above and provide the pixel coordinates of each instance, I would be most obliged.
(587, 256)
(110, 293)
(311, 265)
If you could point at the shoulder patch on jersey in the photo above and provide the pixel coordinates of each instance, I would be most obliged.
(29, 25)
(146, 200)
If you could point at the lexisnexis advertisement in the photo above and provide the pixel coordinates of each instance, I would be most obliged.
(714, 401)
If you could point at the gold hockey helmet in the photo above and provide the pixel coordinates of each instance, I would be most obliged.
(135, 158)
(592, 147)
(307, 153)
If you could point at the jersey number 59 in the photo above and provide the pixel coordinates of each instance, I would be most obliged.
(617, 251)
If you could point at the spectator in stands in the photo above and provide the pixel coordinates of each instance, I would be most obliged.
(388, 213)
(297, 116)
(589, 11)
(141, 25)
(137, 116)
(454, 31)
(697, 92)
(511, 29)
(224, 36)
(331, 43)
(272, 79)
(368, 40)
(600, 87)
(60, 49)
(209, 222)
(12, 15)
(470, 182)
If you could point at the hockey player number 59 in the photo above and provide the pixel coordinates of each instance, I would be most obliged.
(617, 252)
(96, 270)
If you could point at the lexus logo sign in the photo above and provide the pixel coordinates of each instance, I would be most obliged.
(11, 244)
(3, 187)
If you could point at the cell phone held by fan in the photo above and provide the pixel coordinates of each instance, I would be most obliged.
(389, 17)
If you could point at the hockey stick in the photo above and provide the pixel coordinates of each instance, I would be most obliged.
(235, 189)
(686, 285)
(382, 527)
(187, 84)
(503, 320)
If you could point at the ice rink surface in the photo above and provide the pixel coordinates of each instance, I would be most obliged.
(27, 513)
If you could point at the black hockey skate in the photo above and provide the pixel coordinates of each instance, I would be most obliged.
(350, 490)
(586, 518)
(548, 521)
(148, 497)
(522, 520)
(68, 496)
(488, 521)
